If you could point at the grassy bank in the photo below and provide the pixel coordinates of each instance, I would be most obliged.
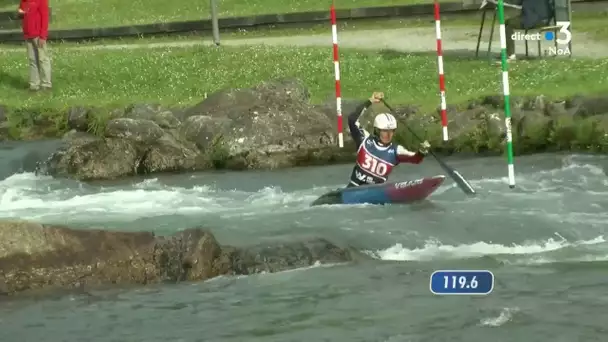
(106, 13)
(185, 75)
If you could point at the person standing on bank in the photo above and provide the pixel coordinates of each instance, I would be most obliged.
(35, 23)
(534, 14)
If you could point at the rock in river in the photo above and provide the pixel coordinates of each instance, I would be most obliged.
(37, 257)
(271, 125)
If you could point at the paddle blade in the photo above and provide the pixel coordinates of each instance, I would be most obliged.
(457, 177)
(462, 183)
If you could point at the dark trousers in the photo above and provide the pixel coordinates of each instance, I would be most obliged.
(511, 25)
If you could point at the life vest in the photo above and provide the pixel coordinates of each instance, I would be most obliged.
(374, 162)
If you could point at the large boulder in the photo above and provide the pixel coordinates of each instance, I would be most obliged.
(36, 256)
(169, 154)
(138, 130)
(162, 116)
(88, 157)
(282, 256)
(128, 147)
(271, 125)
(268, 126)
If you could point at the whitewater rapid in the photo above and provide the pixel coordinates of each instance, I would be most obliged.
(573, 198)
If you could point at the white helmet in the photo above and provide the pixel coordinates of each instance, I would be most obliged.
(385, 121)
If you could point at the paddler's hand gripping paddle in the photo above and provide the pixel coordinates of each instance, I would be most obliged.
(455, 175)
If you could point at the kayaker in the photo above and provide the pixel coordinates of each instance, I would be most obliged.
(376, 153)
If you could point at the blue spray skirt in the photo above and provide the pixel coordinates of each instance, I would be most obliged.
(387, 193)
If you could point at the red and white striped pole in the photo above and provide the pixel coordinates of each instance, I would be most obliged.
(334, 34)
(444, 114)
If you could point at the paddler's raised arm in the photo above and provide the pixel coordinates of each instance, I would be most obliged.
(406, 156)
(357, 132)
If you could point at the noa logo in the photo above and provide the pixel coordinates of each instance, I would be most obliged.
(564, 36)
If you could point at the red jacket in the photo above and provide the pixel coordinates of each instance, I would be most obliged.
(35, 18)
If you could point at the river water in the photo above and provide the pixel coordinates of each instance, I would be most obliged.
(545, 241)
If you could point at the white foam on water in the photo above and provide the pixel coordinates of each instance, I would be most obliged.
(316, 264)
(435, 250)
(596, 218)
(505, 315)
(544, 260)
(576, 176)
(28, 196)
(549, 180)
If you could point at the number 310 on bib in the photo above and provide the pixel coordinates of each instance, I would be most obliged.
(462, 282)
(374, 166)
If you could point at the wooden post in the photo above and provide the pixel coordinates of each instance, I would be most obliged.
(214, 22)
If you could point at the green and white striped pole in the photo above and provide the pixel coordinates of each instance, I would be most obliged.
(505, 89)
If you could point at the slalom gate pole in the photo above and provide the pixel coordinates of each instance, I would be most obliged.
(334, 36)
(505, 87)
(444, 114)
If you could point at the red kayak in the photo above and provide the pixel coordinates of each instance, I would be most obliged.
(386, 193)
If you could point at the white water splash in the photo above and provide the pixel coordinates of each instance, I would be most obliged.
(43, 198)
(506, 314)
(548, 180)
(435, 250)
(543, 260)
(31, 197)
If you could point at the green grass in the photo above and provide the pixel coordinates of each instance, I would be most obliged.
(183, 76)
(106, 13)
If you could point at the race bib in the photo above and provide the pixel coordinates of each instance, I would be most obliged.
(374, 166)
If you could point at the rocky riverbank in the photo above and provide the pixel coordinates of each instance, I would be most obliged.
(273, 125)
(46, 257)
